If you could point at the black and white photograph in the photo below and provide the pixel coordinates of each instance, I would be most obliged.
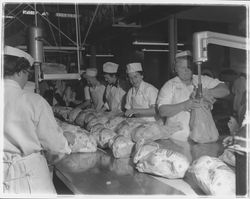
(125, 99)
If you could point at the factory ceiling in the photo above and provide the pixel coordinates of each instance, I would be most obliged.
(100, 23)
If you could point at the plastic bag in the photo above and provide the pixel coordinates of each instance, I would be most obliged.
(163, 162)
(202, 126)
(213, 176)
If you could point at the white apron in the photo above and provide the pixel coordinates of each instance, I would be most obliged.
(114, 97)
(139, 101)
(26, 175)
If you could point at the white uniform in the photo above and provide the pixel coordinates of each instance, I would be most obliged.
(95, 94)
(115, 97)
(174, 92)
(145, 97)
(29, 128)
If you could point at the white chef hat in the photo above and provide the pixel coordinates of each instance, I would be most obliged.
(183, 54)
(8, 50)
(110, 67)
(134, 67)
(91, 72)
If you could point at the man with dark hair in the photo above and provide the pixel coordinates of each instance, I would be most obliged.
(114, 96)
(29, 129)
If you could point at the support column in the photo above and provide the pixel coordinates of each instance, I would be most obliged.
(172, 28)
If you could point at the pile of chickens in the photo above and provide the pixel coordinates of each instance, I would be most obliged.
(88, 130)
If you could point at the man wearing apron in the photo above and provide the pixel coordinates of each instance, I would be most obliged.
(174, 101)
(94, 91)
(141, 98)
(115, 93)
(29, 129)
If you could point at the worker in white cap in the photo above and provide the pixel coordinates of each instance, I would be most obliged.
(116, 89)
(29, 129)
(141, 98)
(94, 91)
(174, 100)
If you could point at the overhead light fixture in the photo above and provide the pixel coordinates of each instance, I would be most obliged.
(100, 55)
(157, 50)
(66, 15)
(154, 43)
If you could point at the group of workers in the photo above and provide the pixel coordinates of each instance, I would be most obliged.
(30, 127)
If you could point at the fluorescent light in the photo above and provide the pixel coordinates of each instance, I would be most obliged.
(154, 43)
(157, 50)
(100, 55)
(154, 50)
(66, 15)
(9, 17)
(32, 12)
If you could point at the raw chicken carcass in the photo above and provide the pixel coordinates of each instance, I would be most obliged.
(73, 114)
(165, 163)
(126, 127)
(61, 111)
(80, 142)
(142, 149)
(113, 122)
(121, 146)
(213, 176)
(96, 120)
(103, 136)
(153, 131)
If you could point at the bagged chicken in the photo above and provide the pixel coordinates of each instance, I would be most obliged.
(61, 111)
(121, 146)
(153, 131)
(113, 122)
(142, 149)
(165, 163)
(127, 126)
(80, 142)
(213, 176)
(202, 126)
(73, 114)
(103, 136)
(78, 162)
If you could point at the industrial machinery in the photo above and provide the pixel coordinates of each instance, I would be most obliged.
(201, 41)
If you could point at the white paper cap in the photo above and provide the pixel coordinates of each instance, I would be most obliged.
(91, 72)
(110, 67)
(183, 54)
(8, 50)
(134, 67)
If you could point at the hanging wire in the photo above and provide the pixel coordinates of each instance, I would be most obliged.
(16, 16)
(92, 20)
(77, 36)
(55, 27)
(11, 12)
(7, 24)
(59, 34)
(53, 35)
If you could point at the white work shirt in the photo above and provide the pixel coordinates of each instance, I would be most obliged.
(175, 91)
(115, 97)
(144, 98)
(95, 94)
(29, 123)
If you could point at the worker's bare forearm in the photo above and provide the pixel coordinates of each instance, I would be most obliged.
(221, 90)
(145, 112)
(169, 110)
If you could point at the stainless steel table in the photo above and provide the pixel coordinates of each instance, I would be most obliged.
(100, 173)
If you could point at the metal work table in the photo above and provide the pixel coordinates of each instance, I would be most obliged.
(100, 173)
